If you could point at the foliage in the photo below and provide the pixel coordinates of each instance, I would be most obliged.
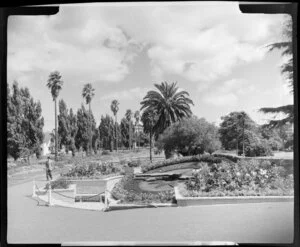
(93, 169)
(287, 70)
(82, 138)
(126, 132)
(255, 145)
(128, 117)
(24, 123)
(137, 117)
(67, 127)
(272, 135)
(190, 136)
(105, 152)
(169, 104)
(242, 178)
(130, 194)
(60, 183)
(231, 129)
(106, 129)
(134, 163)
(196, 158)
(238, 130)
(88, 93)
(55, 83)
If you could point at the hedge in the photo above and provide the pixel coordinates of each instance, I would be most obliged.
(196, 158)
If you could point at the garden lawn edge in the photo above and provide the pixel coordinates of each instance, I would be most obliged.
(133, 206)
(196, 201)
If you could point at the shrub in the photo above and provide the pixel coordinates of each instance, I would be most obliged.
(60, 183)
(93, 169)
(190, 136)
(258, 148)
(134, 163)
(196, 158)
(105, 152)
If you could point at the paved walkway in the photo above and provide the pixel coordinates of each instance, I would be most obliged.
(33, 222)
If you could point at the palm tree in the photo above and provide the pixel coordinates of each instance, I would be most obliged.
(128, 116)
(115, 108)
(137, 120)
(55, 85)
(287, 71)
(169, 104)
(149, 119)
(88, 94)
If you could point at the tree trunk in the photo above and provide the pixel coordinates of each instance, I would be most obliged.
(55, 112)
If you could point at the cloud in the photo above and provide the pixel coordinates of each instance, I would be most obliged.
(80, 47)
(197, 41)
(227, 93)
(131, 94)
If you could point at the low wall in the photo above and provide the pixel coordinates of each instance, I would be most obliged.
(110, 183)
(65, 195)
(196, 201)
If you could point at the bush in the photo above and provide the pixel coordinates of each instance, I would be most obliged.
(196, 158)
(105, 152)
(190, 136)
(134, 163)
(60, 183)
(94, 169)
(258, 148)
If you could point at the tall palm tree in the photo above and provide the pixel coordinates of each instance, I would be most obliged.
(88, 93)
(55, 85)
(115, 108)
(287, 67)
(128, 116)
(137, 120)
(169, 104)
(149, 119)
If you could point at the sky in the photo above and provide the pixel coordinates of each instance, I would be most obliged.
(212, 50)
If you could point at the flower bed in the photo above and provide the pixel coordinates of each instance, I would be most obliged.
(127, 191)
(245, 178)
(196, 158)
(94, 170)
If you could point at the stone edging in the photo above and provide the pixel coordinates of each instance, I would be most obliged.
(195, 201)
(132, 206)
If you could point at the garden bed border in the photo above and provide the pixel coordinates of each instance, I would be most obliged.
(183, 201)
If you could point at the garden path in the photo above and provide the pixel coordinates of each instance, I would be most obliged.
(258, 223)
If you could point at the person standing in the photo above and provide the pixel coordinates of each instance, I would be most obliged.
(48, 169)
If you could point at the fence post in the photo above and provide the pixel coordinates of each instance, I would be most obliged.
(49, 195)
(33, 191)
